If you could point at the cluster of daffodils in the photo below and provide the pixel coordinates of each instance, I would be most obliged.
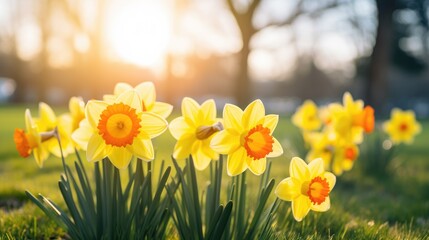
(122, 125)
(334, 132)
(39, 136)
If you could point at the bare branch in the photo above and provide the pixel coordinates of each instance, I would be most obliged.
(299, 12)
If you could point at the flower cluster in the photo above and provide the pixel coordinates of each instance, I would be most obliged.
(334, 132)
(121, 127)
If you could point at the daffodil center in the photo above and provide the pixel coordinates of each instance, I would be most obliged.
(350, 153)
(317, 190)
(119, 124)
(204, 132)
(258, 142)
(22, 142)
(403, 127)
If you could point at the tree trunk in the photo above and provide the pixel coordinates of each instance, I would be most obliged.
(242, 88)
(376, 87)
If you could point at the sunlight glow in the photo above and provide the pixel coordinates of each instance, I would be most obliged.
(139, 33)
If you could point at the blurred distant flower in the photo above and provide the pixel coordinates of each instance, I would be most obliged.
(47, 122)
(118, 130)
(194, 131)
(147, 94)
(31, 141)
(351, 119)
(306, 117)
(344, 158)
(247, 138)
(322, 145)
(308, 187)
(402, 126)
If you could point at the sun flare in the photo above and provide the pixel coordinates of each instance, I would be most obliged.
(139, 33)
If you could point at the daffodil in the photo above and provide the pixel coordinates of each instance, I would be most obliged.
(247, 138)
(47, 122)
(322, 145)
(77, 111)
(344, 158)
(402, 126)
(306, 117)
(118, 130)
(31, 141)
(351, 119)
(308, 187)
(147, 94)
(194, 131)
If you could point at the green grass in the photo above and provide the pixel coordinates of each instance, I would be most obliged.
(363, 207)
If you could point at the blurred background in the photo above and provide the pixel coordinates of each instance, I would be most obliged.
(282, 51)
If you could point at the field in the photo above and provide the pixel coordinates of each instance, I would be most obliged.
(395, 206)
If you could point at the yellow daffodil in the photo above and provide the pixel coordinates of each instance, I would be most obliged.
(147, 94)
(118, 130)
(402, 126)
(351, 119)
(322, 145)
(31, 141)
(344, 158)
(77, 111)
(308, 187)
(306, 117)
(194, 131)
(47, 122)
(247, 138)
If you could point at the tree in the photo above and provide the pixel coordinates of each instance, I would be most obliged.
(244, 20)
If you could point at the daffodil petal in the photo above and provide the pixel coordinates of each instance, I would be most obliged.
(162, 109)
(183, 147)
(178, 127)
(47, 115)
(232, 116)
(271, 121)
(142, 148)
(93, 111)
(207, 111)
(121, 88)
(29, 123)
(130, 98)
(253, 114)
(331, 179)
(277, 149)
(96, 149)
(152, 124)
(190, 110)
(109, 98)
(300, 207)
(120, 157)
(288, 189)
(316, 167)
(225, 142)
(147, 93)
(208, 151)
(323, 207)
(40, 155)
(201, 161)
(257, 167)
(236, 162)
(82, 135)
(298, 169)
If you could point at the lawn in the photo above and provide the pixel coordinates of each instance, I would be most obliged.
(363, 206)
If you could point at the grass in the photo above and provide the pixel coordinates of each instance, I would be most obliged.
(363, 207)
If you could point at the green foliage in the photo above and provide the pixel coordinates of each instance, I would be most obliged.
(109, 210)
(377, 153)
